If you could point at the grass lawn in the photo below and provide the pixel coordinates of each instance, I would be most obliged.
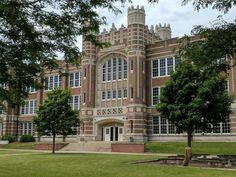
(214, 148)
(95, 165)
(18, 145)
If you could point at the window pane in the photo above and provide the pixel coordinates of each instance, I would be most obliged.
(155, 124)
(125, 93)
(114, 68)
(163, 124)
(155, 95)
(108, 94)
(119, 94)
(125, 69)
(155, 68)
(170, 65)
(109, 70)
(77, 79)
(71, 79)
(119, 69)
(162, 67)
(114, 94)
(104, 72)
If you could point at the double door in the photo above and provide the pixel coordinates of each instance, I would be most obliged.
(113, 133)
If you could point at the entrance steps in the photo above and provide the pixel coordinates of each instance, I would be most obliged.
(97, 146)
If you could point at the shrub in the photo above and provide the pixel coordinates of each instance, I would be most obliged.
(27, 138)
(9, 138)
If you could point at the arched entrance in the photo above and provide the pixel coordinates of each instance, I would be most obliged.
(110, 130)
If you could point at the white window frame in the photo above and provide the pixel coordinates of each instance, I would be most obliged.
(159, 92)
(74, 80)
(29, 107)
(73, 104)
(54, 84)
(166, 66)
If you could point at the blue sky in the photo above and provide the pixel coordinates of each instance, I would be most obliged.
(181, 18)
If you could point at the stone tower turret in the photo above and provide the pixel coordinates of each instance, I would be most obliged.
(136, 119)
(88, 68)
(164, 32)
(136, 15)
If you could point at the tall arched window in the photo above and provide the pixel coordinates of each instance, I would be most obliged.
(114, 69)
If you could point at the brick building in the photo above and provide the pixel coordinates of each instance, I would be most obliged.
(117, 87)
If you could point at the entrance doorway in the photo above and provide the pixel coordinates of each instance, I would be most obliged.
(112, 133)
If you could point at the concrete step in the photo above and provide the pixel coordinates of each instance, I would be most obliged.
(88, 146)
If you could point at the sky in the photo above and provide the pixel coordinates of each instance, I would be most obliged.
(181, 18)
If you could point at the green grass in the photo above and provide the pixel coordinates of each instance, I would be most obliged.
(18, 145)
(214, 148)
(95, 165)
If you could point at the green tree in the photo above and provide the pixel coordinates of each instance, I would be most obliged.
(33, 32)
(193, 99)
(215, 42)
(221, 5)
(55, 116)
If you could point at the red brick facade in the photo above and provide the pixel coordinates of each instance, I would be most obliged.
(119, 83)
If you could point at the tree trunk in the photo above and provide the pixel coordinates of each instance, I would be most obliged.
(53, 143)
(188, 151)
(189, 139)
(64, 138)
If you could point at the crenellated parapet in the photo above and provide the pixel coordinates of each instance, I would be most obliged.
(163, 31)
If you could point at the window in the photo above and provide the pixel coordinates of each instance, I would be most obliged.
(108, 95)
(155, 95)
(155, 68)
(119, 94)
(226, 86)
(30, 89)
(75, 102)
(104, 72)
(29, 107)
(125, 69)
(109, 70)
(74, 79)
(131, 92)
(26, 128)
(119, 69)
(114, 69)
(85, 72)
(125, 93)
(155, 125)
(114, 94)
(52, 82)
(170, 65)
(164, 66)
(143, 66)
(131, 65)
(84, 97)
(177, 61)
(220, 128)
(161, 125)
(226, 126)
(103, 95)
